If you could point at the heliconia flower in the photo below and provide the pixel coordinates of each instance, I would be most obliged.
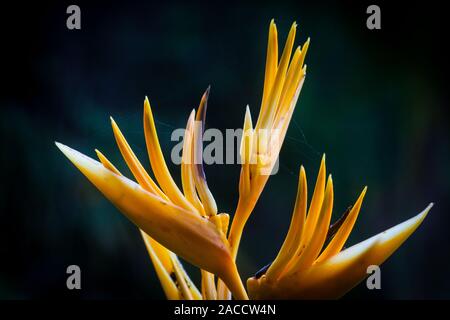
(179, 221)
(311, 263)
(261, 145)
(185, 222)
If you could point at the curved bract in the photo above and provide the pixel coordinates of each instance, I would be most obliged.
(309, 264)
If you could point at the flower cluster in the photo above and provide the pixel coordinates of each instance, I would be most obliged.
(186, 222)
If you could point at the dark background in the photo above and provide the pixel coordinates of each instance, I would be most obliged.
(373, 101)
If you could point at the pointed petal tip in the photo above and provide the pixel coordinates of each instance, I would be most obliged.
(64, 149)
(201, 112)
(208, 89)
(247, 112)
(424, 213)
(302, 173)
(364, 191)
(61, 146)
(115, 127)
(391, 239)
(248, 124)
(75, 156)
(273, 24)
(418, 218)
(247, 115)
(323, 162)
(147, 108)
(146, 103)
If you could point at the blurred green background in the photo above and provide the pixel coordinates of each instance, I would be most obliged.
(373, 101)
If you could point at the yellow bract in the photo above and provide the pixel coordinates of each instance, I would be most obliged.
(306, 267)
(178, 221)
(261, 146)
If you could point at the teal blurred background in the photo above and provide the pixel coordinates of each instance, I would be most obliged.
(373, 101)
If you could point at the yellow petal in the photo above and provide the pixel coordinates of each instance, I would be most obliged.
(187, 166)
(161, 263)
(334, 277)
(247, 135)
(179, 273)
(343, 233)
(293, 83)
(106, 163)
(173, 272)
(208, 286)
(280, 77)
(271, 66)
(305, 256)
(316, 203)
(158, 163)
(209, 204)
(246, 153)
(283, 121)
(289, 85)
(304, 51)
(133, 163)
(294, 235)
(222, 221)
